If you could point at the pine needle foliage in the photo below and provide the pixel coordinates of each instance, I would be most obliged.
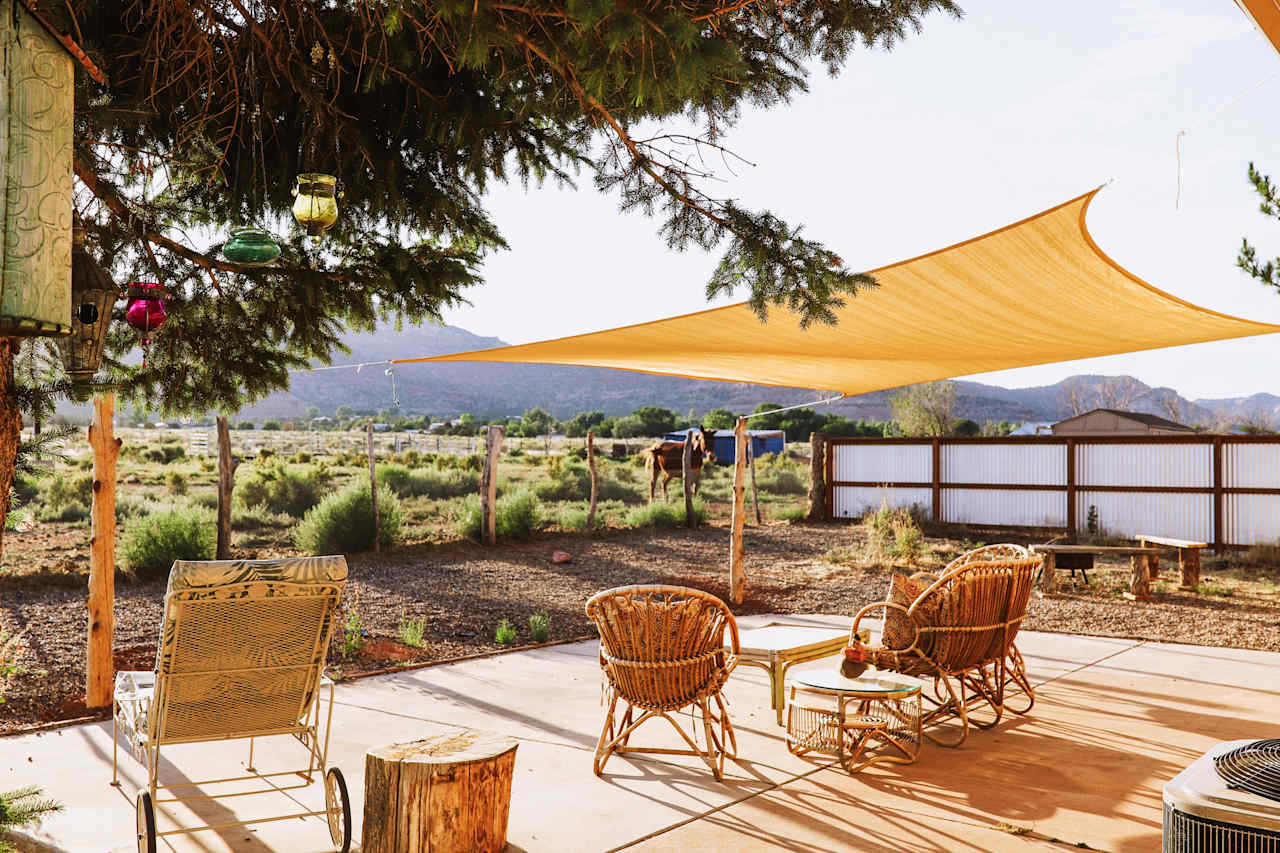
(213, 106)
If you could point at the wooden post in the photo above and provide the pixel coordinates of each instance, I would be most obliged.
(1219, 537)
(937, 479)
(737, 582)
(817, 478)
(755, 495)
(1049, 573)
(1072, 521)
(99, 668)
(373, 487)
(227, 465)
(591, 466)
(450, 793)
(1139, 583)
(1153, 561)
(686, 480)
(1189, 565)
(489, 485)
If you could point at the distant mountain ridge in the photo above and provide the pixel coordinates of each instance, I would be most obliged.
(489, 390)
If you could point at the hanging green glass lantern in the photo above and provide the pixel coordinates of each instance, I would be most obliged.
(93, 294)
(315, 203)
(251, 247)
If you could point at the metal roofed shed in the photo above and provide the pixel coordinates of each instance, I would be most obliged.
(1117, 422)
(762, 441)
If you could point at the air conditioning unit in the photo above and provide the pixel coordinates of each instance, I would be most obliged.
(1227, 801)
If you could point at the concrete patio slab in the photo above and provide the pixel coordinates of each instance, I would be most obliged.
(1114, 719)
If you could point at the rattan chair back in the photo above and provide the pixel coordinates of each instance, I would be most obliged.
(971, 614)
(663, 647)
(243, 646)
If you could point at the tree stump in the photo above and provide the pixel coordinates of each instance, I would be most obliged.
(1139, 584)
(446, 793)
(1049, 573)
(1189, 565)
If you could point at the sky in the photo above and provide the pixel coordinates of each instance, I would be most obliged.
(965, 127)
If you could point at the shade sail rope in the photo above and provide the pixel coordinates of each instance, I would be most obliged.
(1037, 291)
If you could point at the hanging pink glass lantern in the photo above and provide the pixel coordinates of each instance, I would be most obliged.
(145, 311)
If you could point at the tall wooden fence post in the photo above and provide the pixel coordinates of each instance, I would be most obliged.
(737, 582)
(755, 495)
(373, 487)
(489, 485)
(227, 465)
(99, 668)
(686, 479)
(817, 478)
(591, 466)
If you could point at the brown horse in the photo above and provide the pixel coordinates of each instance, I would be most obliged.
(667, 458)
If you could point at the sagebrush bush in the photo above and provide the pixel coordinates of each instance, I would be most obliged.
(128, 506)
(474, 462)
(63, 490)
(208, 500)
(518, 516)
(283, 488)
(258, 518)
(782, 482)
(152, 542)
(661, 514)
(342, 523)
(791, 514)
(177, 483)
(74, 511)
(164, 453)
(427, 482)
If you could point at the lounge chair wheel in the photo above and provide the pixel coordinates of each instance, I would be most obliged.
(146, 824)
(338, 806)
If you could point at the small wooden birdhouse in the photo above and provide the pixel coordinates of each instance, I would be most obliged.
(36, 114)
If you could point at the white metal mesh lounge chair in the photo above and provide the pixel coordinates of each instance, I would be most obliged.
(241, 655)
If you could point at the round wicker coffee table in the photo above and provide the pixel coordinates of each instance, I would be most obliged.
(858, 721)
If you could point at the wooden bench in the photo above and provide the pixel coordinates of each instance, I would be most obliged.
(1140, 557)
(1188, 558)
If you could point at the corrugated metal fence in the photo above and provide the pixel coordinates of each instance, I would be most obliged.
(1219, 489)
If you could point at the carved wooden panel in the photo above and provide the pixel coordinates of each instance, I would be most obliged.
(36, 111)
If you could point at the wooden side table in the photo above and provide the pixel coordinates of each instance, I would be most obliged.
(776, 647)
(876, 707)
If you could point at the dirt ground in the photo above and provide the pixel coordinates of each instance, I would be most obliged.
(463, 591)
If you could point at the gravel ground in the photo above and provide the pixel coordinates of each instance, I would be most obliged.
(463, 590)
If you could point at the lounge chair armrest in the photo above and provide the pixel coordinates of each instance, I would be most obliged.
(930, 575)
(857, 618)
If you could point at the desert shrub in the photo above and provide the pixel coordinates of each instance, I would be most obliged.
(245, 425)
(265, 453)
(445, 461)
(662, 514)
(128, 506)
(281, 488)
(907, 536)
(152, 542)
(68, 512)
(570, 482)
(343, 522)
(505, 635)
(515, 453)
(206, 465)
(208, 500)
(272, 425)
(540, 626)
(518, 515)
(64, 490)
(782, 482)
(302, 457)
(26, 487)
(165, 453)
(176, 482)
(1263, 556)
(425, 482)
(573, 517)
(791, 514)
(258, 518)
(473, 462)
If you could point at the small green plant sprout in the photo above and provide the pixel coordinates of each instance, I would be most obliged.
(352, 628)
(506, 633)
(413, 631)
(540, 626)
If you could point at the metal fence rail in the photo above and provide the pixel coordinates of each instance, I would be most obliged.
(1223, 489)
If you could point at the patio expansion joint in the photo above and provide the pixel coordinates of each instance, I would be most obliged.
(1083, 666)
(723, 806)
(457, 726)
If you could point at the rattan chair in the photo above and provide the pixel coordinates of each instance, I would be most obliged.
(662, 650)
(241, 653)
(964, 625)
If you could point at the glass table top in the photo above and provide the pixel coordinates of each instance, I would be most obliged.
(871, 681)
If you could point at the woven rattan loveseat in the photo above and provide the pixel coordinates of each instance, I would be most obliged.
(664, 649)
(958, 628)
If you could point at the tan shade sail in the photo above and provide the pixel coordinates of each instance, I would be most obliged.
(1033, 292)
(1266, 15)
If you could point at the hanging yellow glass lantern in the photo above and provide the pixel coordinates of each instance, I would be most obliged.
(315, 203)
